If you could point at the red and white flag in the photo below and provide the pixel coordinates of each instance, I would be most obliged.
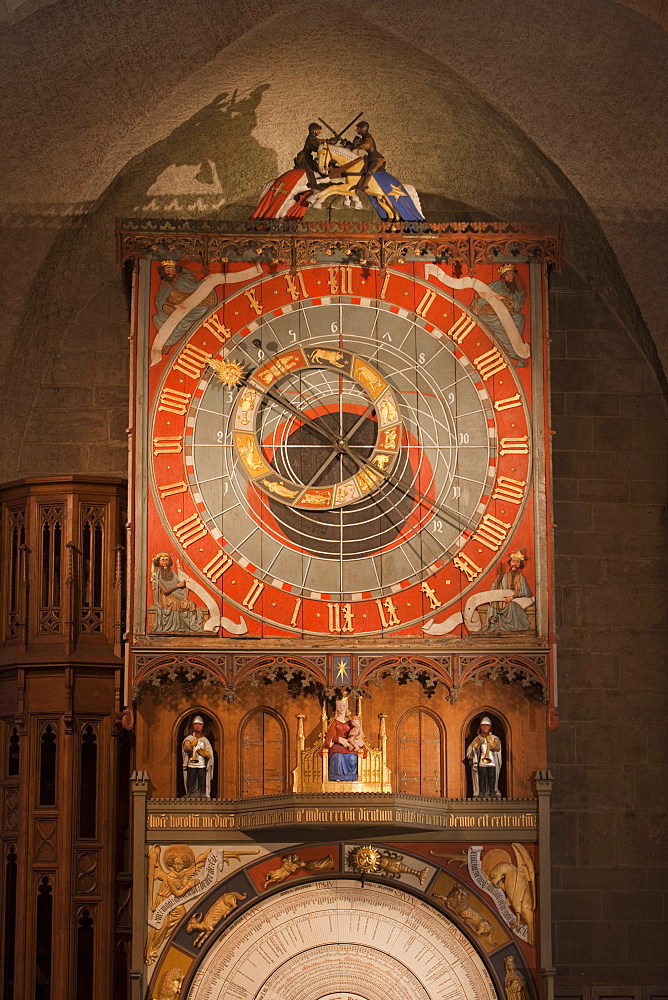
(284, 198)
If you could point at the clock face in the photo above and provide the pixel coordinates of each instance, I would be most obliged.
(367, 468)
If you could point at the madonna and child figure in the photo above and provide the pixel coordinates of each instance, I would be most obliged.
(344, 739)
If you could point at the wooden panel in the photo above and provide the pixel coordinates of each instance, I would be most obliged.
(263, 770)
(420, 754)
(408, 753)
(251, 756)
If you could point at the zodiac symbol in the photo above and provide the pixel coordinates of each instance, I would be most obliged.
(207, 923)
(248, 452)
(380, 461)
(279, 488)
(332, 357)
(390, 439)
(248, 398)
(388, 410)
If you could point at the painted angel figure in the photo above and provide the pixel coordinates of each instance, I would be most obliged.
(180, 873)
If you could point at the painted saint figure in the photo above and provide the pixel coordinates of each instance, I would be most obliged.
(484, 755)
(174, 611)
(176, 284)
(510, 289)
(342, 752)
(507, 615)
(197, 761)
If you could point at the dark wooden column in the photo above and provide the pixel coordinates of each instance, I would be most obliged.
(60, 680)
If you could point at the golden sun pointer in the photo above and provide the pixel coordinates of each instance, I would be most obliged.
(228, 372)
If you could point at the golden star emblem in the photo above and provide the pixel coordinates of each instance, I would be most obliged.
(396, 192)
(343, 669)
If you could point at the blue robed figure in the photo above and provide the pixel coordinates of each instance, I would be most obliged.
(343, 750)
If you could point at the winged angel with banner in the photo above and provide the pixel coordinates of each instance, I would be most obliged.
(325, 168)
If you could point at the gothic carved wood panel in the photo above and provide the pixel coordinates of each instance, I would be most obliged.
(262, 755)
(420, 753)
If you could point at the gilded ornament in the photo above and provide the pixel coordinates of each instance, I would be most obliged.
(206, 924)
(170, 987)
(514, 982)
(230, 373)
(369, 860)
(292, 863)
(518, 882)
(458, 901)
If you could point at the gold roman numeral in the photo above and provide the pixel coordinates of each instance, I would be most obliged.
(190, 530)
(341, 280)
(430, 594)
(192, 360)
(425, 303)
(340, 618)
(295, 613)
(387, 611)
(509, 490)
(489, 364)
(174, 401)
(383, 287)
(467, 566)
(296, 286)
(491, 532)
(515, 445)
(256, 306)
(168, 445)
(170, 489)
(461, 329)
(253, 594)
(215, 568)
(218, 329)
(509, 403)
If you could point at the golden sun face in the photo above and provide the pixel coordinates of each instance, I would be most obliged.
(363, 859)
(228, 372)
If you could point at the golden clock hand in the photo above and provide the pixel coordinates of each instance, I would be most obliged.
(447, 514)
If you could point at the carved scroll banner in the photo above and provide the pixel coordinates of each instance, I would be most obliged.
(497, 894)
(215, 619)
(470, 617)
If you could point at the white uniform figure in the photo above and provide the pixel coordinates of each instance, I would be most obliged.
(484, 756)
(197, 761)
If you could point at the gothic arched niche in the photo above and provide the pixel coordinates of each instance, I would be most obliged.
(321, 942)
(212, 731)
(499, 728)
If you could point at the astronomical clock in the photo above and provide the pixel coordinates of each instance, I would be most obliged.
(341, 518)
